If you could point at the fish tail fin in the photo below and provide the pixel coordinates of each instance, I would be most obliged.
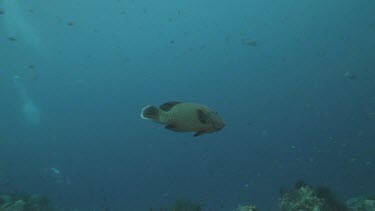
(151, 113)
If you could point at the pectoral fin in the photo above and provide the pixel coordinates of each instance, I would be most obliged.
(199, 133)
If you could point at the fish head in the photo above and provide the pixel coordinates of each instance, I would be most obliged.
(217, 122)
(213, 120)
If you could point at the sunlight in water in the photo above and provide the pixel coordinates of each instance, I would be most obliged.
(30, 111)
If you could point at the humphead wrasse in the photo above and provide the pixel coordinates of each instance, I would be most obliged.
(185, 117)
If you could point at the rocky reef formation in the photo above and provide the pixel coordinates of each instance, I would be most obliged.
(14, 201)
(309, 198)
(302, 198)
(361, 204)
(246, 208)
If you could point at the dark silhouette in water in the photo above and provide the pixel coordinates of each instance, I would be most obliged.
(331, 202)
(12, 39)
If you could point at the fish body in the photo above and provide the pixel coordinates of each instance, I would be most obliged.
(185, 117)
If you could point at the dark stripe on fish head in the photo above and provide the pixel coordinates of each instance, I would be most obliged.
(210, 119)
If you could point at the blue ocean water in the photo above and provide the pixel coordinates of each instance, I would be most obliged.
(293, 80)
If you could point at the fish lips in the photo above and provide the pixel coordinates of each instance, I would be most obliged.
(218, 125)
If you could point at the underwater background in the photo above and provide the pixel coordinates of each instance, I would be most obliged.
(294, 81)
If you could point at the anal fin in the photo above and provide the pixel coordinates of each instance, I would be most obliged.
(173, 128)
(199, 133)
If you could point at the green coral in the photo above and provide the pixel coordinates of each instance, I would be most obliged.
(18, 205)
(302, 199)
(24, 202)
(361, 204)
(246, 208)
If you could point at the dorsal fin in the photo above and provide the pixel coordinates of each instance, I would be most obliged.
(167, 106)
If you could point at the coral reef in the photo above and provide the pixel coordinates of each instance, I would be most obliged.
(331, 203)
(302, 198)
(24, 202)
(361, 204)
(309, 198)
(245, 208)
(182, 205)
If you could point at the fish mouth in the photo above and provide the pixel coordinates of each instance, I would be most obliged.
(219, 125)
